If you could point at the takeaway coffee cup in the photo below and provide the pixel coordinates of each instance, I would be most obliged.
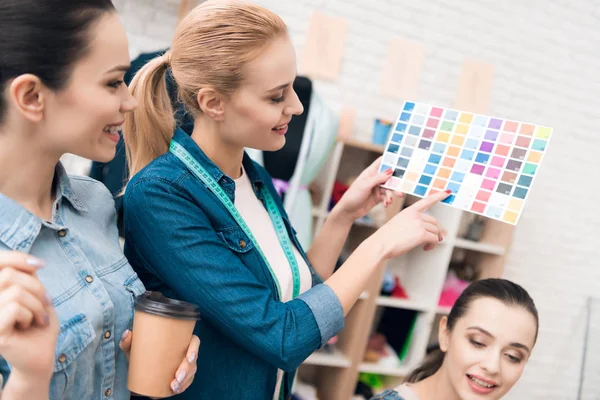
(162, 331)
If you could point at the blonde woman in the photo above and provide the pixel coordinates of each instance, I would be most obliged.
(203, 223)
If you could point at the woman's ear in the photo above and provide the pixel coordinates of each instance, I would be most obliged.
(444, 334)
(26, 92)
(211, 103)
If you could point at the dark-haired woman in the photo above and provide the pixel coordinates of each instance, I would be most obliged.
(485, 343)
(61, 71)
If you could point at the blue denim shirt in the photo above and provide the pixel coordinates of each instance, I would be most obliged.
(91, 284)
(183, 242)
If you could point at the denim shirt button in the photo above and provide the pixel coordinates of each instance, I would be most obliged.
(62, 233)
(107, 335)
(242, 243)
(108, 392)
(89, 279)
(62, 358)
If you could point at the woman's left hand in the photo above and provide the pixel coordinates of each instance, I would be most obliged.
(187, 369)
(365, 193)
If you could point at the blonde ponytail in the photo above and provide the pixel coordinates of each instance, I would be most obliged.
(148, 131)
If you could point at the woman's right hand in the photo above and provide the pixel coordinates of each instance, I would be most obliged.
(28, 323)
(411, 228)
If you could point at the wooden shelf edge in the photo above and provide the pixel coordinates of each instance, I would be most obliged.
(375, 368)
(335, 359)
(480, 247)
(393, 302)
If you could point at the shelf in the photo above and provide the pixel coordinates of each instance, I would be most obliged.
(334, 359)
(359, 144)
(400, 303)
(375, 368)
(359, 222)
(479, 247)
(364, 295)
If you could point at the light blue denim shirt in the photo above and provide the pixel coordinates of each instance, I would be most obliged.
(90, 281)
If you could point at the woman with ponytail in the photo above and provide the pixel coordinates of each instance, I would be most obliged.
(485, 343)
(204, 224)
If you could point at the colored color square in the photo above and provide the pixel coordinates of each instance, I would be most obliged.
(534, 157)
(462, 165)
(437, 112)
(471, 144)
(414, 130)
(523, 141)
(493, 173)
(461, 129)
(478, 207)
(420, 190)
(449, 200)
(498, 161)
(510, 217)
(393, 148)
(453, 187)
(466, 118)
(467, 154)
(428, 133)
(482, 158)
(399, 173)
(509, 177)
(425, 144)
(401, 127)
(433, 122)
(493, 212)
(447, 126)
(402, 162)
(520, 192)
(527, 129)
(495, 123)
(385, 168)
(507, 138)
(543, 132)
(477, 169)
(396, 137)
(451, 115)
(425, 180)
(480, 120)
(412, 176)
(408, 187)
(511, 126)
(476, 132)
(448, 162)
(502, 150)
(443, 137)
(406, 152)
(525, 180)
(519, 154)
(484, 196)
(418, 119)
(488, 184)
(405, 116)
(487, 147)
(435, 158)
(453, 151)
(422, 108)
(444, 173)
(458, 177)
(409, 106)
(539, 145)
(458, 140)
(439, 148)
(430, 169)
(515, 204)
(439, 184)
(529, 169)
(491, 135)
(410, 141)
(513, 165)
(504, 188)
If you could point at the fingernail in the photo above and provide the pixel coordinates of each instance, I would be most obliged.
(35, 262)
(191, 358)
(125, 334)
(389, 171)
(448, 191)
(181, 376)
(175, 387)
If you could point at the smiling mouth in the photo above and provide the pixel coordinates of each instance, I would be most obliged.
(280, 127)
(480, 383)
(113, 129)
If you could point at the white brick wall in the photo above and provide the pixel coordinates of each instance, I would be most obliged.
(546, 60)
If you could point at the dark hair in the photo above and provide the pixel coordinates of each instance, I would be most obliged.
(503, 290)
(45, 38)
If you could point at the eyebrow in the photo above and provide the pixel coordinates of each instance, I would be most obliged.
(279, 87)
(121, 68)
(514, 344)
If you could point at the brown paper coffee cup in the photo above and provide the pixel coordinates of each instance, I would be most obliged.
(162, 331)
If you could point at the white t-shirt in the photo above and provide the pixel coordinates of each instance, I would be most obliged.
(257, 218)
(406, 392)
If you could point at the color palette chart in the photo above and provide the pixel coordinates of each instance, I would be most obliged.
(489, 164)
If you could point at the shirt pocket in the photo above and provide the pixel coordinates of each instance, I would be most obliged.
(236, 239)
(135, 288)
(75, 336)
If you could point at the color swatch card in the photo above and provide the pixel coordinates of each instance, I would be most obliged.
(488, 163)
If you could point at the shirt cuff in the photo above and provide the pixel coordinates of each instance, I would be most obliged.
(326, 309)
